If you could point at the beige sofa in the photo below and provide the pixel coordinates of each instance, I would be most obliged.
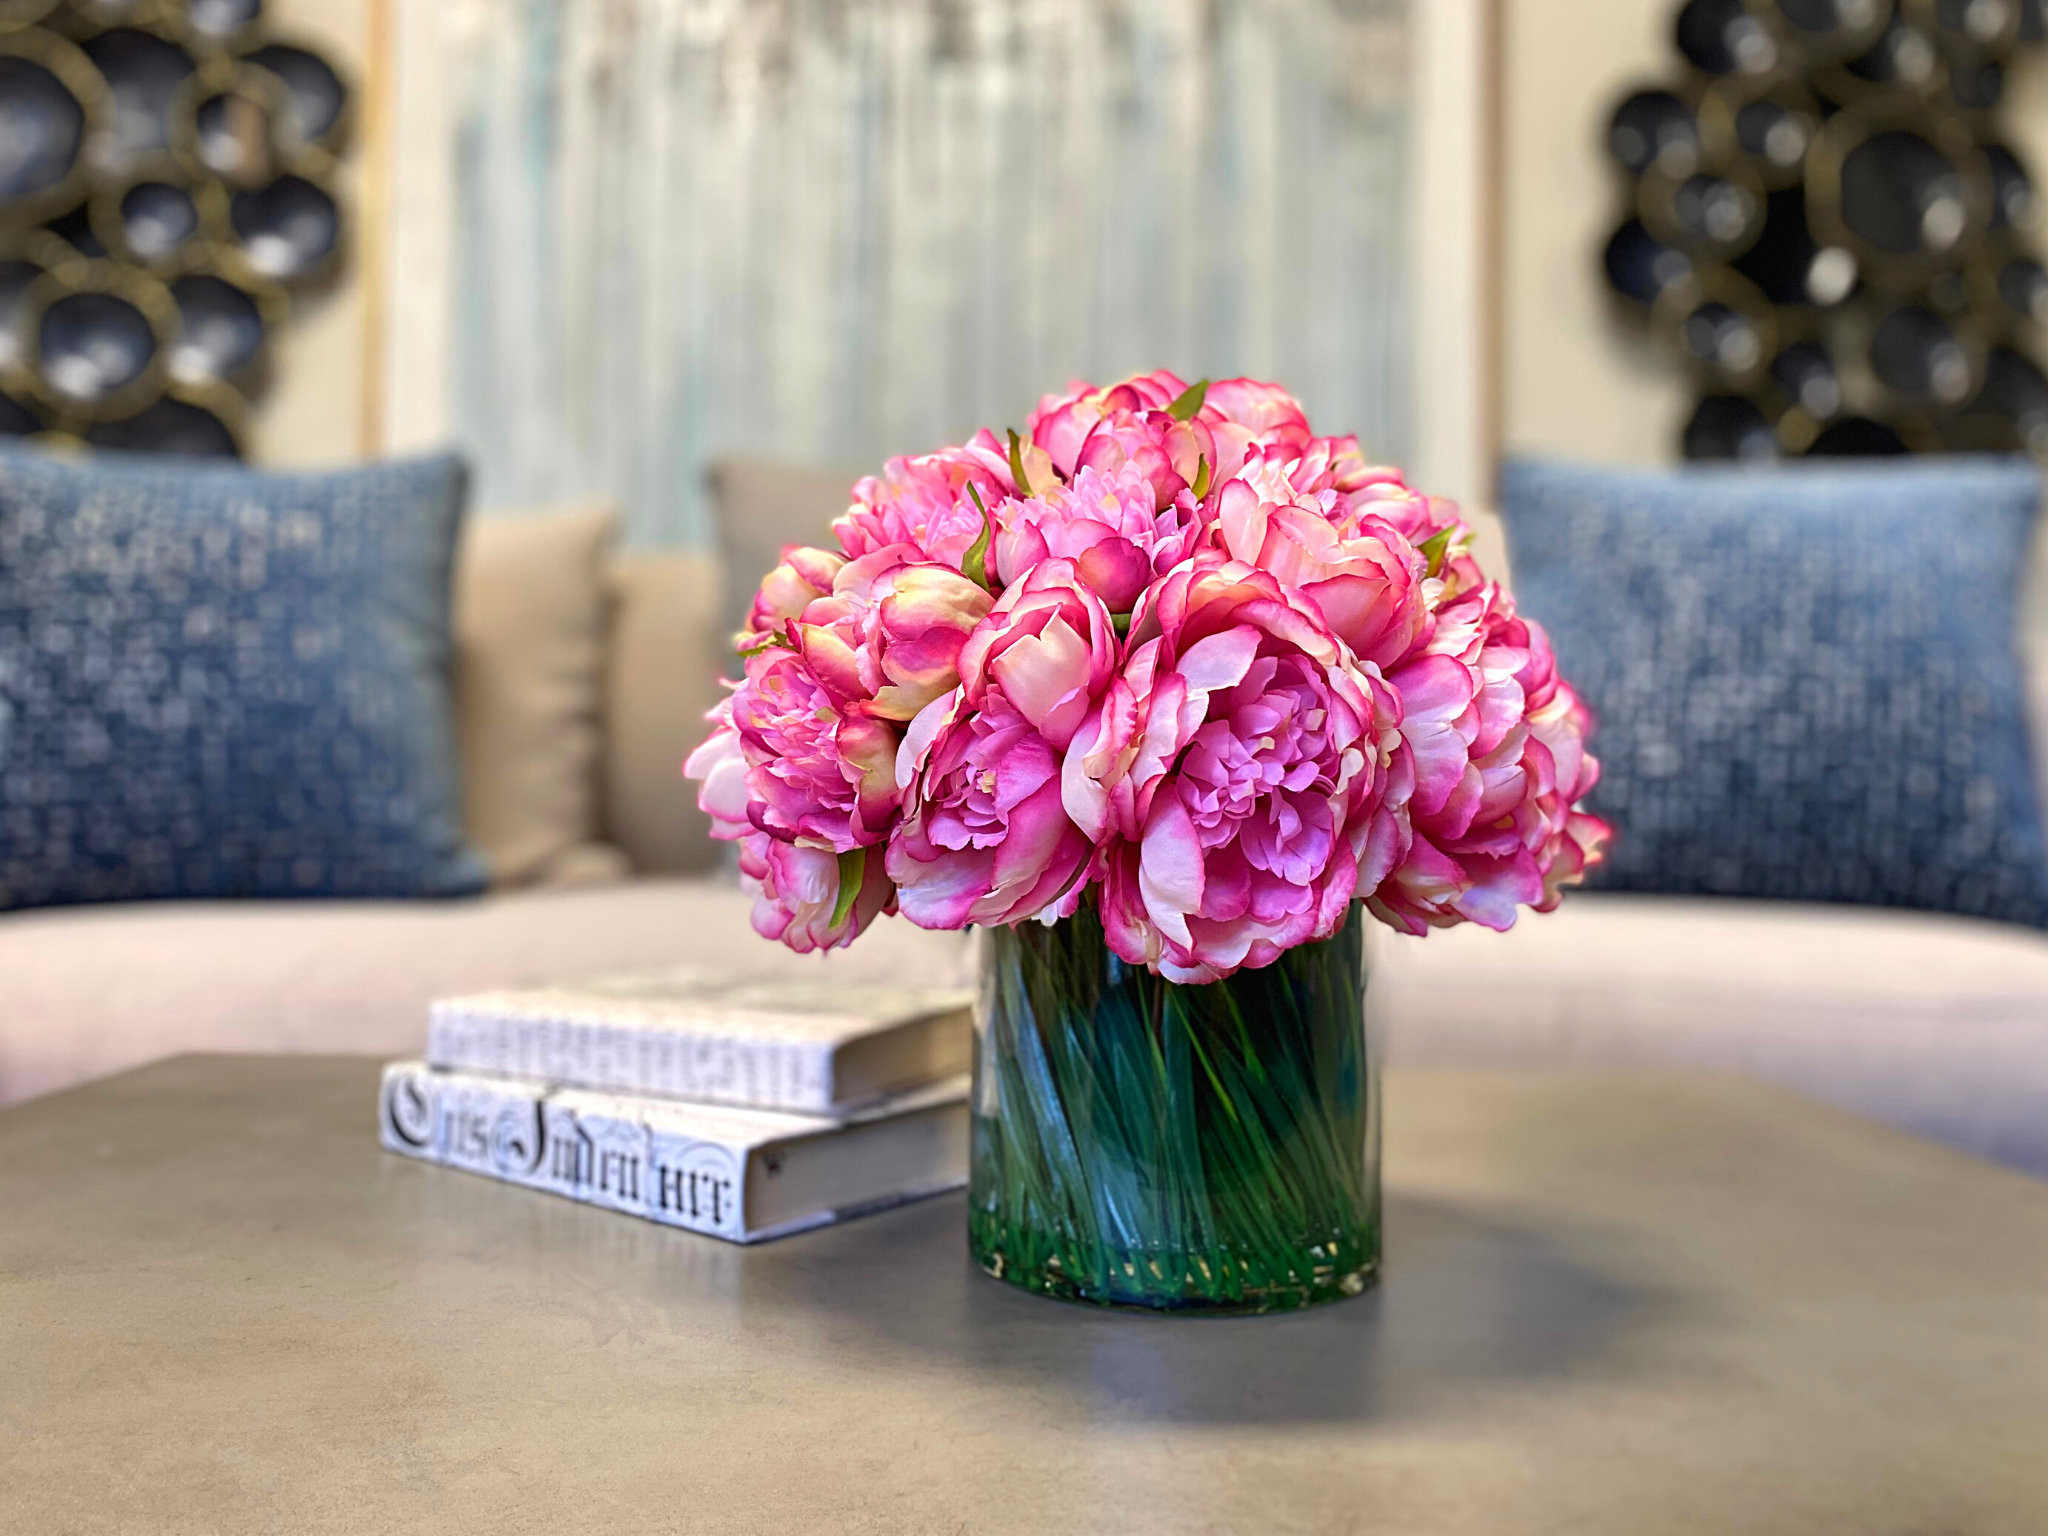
(1936, 1024)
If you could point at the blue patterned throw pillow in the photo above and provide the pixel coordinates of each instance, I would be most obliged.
(1806, 678)
(219, 683)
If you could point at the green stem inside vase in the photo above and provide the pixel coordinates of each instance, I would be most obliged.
(1143, 1143)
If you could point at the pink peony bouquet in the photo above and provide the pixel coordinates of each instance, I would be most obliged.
(1169, 652)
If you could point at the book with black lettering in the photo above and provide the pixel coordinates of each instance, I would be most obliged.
(814, 1045)
(741, 1174)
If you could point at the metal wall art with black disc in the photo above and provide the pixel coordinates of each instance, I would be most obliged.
(166, 180)
(1826, 227)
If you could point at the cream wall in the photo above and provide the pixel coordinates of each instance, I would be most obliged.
(1574, 380)
(313, 412)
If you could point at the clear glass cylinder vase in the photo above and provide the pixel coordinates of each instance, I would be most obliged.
(1139, 1143)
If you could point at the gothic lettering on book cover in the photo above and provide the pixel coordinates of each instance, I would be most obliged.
(518, 1141)
(696, 1184)
(409, 1109)
(489, 1128)
(618, 1161)
(466, 1118)
(567, 1159)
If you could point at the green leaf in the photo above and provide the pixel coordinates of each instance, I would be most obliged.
(769, 644)
(1017, 463)
(853, 870)
(975, 562)
(1202, 477)
(1434, 548)
(1190, 401)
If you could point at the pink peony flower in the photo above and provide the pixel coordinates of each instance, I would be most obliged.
(1244, 771)
(1131, 424)
(811, 768)
(1500, 764)
(1061, 423)
(1274, 418)
(1321, 697)
(886, 638)
(1108, 523)
(798, 895)
(804, 576)
(985, 836)
(1428, 522)
(1367, 581)
(721, 763)
(924, 502)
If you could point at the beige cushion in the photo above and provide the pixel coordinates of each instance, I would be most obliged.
(93, 990)
(530, 616)
(763, 507)
(665, 656)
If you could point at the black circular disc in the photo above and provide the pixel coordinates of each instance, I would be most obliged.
(17, 276)
(1977, 87)
(1902, 195)
(94, 344)
(1640, 266)
(1729, 427)
(168, 425)
(1916, 352)
(1973, 27)
(157, 218)
(314, 93)
(2013, 204)
(1903, 57)
(18, 418)
(222, 18)
(1806, 375)
(1722, 339)
(42, 129)
(233, 137)
(288, 229)
(1654, 128)
(1720, 37)
(2015, 390)
(2023, 289)
(144, 73)
(220, 328)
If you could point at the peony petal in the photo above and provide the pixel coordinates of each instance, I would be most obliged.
(1220, 660)
(924, 730)
(1170, 868)
(1038, 673)
(1085, 799)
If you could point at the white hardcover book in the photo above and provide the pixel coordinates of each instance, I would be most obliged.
(736, 1173)
(813, 1046)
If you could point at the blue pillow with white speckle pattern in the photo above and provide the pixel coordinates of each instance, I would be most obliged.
(1806, 677)
(222, 683)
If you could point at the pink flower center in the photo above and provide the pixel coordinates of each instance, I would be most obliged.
(1261, 771)
(1001, 762)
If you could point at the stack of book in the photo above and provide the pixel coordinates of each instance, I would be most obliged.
(745, 1110)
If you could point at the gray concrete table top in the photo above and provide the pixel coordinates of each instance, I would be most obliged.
(1613, 1303)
